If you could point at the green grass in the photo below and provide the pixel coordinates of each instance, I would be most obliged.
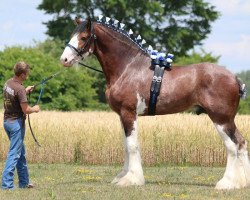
(66, 181)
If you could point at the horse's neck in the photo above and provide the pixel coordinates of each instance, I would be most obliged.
(113, 53)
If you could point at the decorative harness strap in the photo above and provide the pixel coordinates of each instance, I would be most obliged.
(160, 62)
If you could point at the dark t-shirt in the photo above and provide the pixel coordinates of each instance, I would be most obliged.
(14, 94)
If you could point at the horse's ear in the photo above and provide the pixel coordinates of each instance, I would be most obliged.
(77, 21)
(89, 23)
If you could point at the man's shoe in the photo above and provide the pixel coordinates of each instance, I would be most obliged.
(30, 185)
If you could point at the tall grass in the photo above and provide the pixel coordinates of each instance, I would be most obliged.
(97, 138)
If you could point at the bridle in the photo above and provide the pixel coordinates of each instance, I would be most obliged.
(81, 51)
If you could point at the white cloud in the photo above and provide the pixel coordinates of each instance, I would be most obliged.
(230, 37)
(7, 26)
(234, 55)
(239, 48)
(232, 7)
(25, 26)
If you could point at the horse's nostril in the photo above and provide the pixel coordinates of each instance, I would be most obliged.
(65, 60)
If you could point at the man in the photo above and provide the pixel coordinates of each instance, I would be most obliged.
(15, 109)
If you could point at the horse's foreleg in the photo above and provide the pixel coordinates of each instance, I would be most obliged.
(132, 173)
(125, 167)
(237, 174)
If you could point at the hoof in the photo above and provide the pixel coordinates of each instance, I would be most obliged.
(131, 179)
(119, 176)
(226, 184)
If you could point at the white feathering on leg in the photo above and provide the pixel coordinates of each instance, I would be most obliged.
(237, 174)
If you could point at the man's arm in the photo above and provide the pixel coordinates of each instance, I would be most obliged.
(28, 109)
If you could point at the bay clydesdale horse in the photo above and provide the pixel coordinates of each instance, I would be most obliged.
(126, 65)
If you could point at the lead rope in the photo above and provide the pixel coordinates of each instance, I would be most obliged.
(31, 130)
(41, 92)
(38, 100)
(90, 67)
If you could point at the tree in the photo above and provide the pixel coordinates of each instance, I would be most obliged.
(244, 107)
(177, 25)
(72, 89)
(196, 57)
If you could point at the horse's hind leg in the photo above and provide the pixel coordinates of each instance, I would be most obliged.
(132, 173)
(237, 174)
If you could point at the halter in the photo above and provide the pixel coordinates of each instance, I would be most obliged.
(81, 51)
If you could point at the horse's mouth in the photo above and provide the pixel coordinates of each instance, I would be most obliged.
(67, 63)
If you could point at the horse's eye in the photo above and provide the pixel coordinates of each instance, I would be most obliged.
(83, 39)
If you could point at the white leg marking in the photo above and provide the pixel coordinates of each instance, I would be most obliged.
(134, 175)
(125, 167)
(141, 105)
(237, 174)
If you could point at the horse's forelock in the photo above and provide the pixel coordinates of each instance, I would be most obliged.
(80, 28)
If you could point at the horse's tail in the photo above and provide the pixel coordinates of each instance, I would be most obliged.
(242, 88)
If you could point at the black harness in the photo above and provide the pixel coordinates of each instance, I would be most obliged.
(159, 64)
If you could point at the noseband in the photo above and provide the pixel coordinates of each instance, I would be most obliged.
(81, 51)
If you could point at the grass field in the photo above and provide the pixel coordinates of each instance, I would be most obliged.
(64, 181)
(83, 151)
(96, 138)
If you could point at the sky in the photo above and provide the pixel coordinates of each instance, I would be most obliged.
(22, 24)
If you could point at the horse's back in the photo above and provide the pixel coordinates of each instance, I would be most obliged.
(207, 85)
(203, 74)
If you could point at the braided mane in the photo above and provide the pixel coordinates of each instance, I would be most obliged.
(119, 27)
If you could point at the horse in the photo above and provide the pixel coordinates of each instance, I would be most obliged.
(128, 72)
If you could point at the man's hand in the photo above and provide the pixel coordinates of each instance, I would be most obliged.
(28, 109)
(29, 89)
(36, 108)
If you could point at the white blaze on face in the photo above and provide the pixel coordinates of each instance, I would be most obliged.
(69, 55)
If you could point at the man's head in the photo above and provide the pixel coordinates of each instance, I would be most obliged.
(21, 70)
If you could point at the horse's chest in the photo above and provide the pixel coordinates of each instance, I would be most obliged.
(117, 97)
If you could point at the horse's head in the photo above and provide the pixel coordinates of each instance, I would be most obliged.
(80, 45)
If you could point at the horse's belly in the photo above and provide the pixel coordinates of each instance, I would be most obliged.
(174, 104)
